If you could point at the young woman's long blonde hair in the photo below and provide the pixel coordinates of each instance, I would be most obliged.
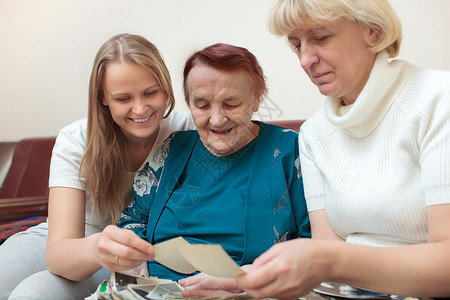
(106, 159)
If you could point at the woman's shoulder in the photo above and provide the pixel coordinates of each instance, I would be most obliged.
(317, 126)
(182, 136)
(75, 132)
(177, 121)
(283, 140)
(426, 92)
(432, 75)
(78, 125)
(67, 155)
(271, 129)
(429, 81)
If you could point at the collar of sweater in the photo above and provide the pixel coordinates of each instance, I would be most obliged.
(385, 83)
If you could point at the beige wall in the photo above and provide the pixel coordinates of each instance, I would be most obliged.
(47, 48)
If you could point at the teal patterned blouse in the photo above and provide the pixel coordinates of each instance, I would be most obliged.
(246, 201)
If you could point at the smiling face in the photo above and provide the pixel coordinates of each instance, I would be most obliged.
(335, 57)
(222, 104)
(135, 99)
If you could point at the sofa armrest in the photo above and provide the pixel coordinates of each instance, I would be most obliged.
(14, 209)
(290, 124)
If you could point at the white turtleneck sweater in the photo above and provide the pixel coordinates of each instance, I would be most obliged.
(376, 165)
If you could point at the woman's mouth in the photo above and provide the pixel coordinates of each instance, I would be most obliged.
(320, 75)
(142, 120)
(221, 132)
(319, 78)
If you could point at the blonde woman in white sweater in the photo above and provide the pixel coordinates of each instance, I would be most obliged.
(375, 160)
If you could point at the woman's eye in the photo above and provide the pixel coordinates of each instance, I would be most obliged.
(202, 106)
(231, 105)
(122, 99)
(296, 47)
(322, 38)
(150, 93)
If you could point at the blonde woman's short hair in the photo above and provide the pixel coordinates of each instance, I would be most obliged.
(288, 15)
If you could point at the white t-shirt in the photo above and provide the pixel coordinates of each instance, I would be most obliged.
(69, 150)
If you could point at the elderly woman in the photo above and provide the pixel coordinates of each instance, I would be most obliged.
(375, 159)
(233, 181)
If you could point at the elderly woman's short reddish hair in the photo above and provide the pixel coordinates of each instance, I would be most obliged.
(226, 57)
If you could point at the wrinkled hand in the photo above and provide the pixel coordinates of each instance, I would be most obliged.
(204, 285)
(287, 270)
(131, 250)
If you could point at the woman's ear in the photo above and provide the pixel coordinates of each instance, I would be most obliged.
(373, 34)
(102, 98)
(256, 104)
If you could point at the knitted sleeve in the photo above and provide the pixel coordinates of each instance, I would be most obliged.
(312, 179)
(434, 141)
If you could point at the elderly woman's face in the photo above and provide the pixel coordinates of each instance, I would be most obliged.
(222, 104)
(336, 57)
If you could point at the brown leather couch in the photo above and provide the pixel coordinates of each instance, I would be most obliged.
(291, 124)
(25, 190)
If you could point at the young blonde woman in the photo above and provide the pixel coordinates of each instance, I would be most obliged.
(130, 114)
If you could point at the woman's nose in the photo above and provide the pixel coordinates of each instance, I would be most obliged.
(140, 107)
(307, 56)
(217, 117)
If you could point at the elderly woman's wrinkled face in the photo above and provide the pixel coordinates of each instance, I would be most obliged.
(336, 57)
(222, 104)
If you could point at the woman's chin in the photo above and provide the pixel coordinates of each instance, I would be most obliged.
(220, 151)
